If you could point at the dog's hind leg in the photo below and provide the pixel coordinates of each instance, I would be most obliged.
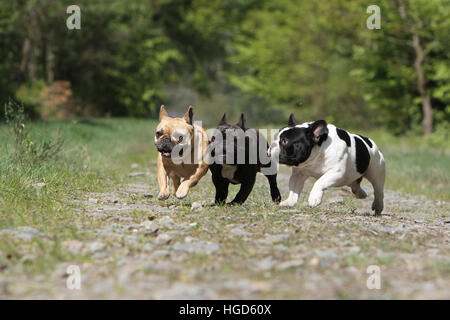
(357, 190)
(244, 191)
(376, 174)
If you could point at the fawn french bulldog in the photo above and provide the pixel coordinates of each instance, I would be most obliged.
(182, 154)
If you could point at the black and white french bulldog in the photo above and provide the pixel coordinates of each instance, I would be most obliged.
(237, 154)
(333, 156)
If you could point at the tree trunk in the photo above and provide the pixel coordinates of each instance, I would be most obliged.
(26, 48)
(49, 62)
(427, 122)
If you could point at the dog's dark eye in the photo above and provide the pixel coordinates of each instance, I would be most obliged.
(158, 134)
(180, 138)
(283, 141)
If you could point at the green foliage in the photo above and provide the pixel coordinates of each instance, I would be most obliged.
(24, 150)
(316, 58)
(384, 65)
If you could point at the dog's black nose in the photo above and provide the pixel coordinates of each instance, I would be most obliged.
(166, 140)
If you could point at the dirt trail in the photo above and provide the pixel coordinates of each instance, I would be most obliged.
(136, 248)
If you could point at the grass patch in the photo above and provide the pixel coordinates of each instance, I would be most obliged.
(414, 165)
(44, 166)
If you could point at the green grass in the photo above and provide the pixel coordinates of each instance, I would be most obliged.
(96, 154)
(413, 166)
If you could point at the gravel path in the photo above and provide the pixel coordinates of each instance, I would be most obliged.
(137, 247)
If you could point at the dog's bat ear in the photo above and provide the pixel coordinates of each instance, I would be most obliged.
(189, 115)
(320, 131)
(241, 122)
(223, 120)
(292, 122)
(162, 113)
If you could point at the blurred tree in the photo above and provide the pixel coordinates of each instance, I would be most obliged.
(404, 67)
(260, 56)
(298, 53)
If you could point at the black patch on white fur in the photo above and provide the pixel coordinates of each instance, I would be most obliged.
(359, 180)
(367, 140)
(362, 156)
(344, 136)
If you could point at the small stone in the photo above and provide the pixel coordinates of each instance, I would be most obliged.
(23, 233)
(337, 200)
(197, 247)
(314, 262)
(193, 224)
(136, 174)
(134, 166)
(290, 264)
(196, 205)
(289, 211)
(148, 195)
(161, 253)
(163, 239)
(150, 226)
(166, 222)
(327, 254)
(93, 201)
(95, 246)
(280, 247)
(324, 264)
(73, 246)
(276, 238)
(390, 230)
(354, 250)
(39, 185)
(265, 264)
(30, 230)
(240, 232)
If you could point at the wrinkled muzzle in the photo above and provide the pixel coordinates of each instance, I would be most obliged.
(165, 146)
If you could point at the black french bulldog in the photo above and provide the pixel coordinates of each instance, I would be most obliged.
(237, 154)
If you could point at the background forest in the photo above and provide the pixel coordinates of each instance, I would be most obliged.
(267, 58)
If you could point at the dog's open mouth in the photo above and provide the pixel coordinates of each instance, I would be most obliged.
(166, 152)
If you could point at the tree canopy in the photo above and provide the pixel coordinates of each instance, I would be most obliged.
(268, 58)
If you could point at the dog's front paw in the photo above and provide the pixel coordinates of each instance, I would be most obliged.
(182, 190)
(276, 197)
(163, 195)
(288, 203)
(315, 198)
